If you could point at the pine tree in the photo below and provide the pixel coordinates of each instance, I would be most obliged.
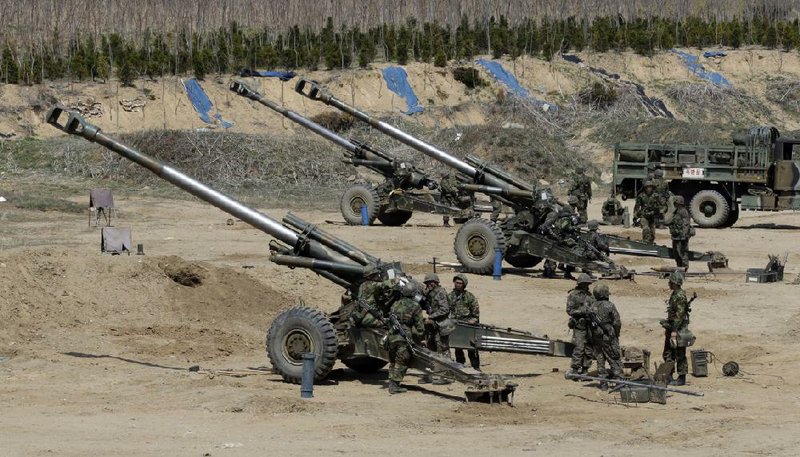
(9, 67)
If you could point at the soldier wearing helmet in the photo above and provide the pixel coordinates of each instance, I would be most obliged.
(579, 303)
(464, 308)
(374, 292)
(605, 329)
(582, 190)
(676, 321)
(598, 248)
(647, 211)
(680, 229)
(612, 210)
(409, 315)
(438, 324)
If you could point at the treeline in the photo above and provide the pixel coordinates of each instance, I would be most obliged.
(153, 54)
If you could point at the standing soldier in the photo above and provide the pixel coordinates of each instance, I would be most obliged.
(376, 293)
(647, 210)
(582, 189)
(438, 325)
(661, 189)
(464, 308)
(579, 302)
(606, 326)
(409, 317)
(680, 229)
(448, 189)
(677, 320)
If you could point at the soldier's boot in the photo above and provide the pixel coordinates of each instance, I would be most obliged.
(427, 378)
(441, 381)
(445, 221)
(572, 373)
(681, 381)
(394, 388)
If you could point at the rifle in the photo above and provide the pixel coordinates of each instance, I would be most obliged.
(389, 320)
(632, 384)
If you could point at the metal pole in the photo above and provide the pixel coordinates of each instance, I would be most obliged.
(307, 384)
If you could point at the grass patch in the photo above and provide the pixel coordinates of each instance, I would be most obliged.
(41, 202)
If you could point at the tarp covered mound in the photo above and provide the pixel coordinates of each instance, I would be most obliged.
(202, 104)
(500, 74)
(709, 54)
(282, 75)
(397, 82)
(693, 62)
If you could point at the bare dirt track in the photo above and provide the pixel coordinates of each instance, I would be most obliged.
(97, 349)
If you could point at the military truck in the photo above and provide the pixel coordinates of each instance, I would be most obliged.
(335, 336)
(758, 171)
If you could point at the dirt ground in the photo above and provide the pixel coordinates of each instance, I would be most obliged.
(96, 349)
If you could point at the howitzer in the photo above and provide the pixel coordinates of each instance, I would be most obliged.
(405, 188)
(632, 384)
(299, 244)
(517, 236)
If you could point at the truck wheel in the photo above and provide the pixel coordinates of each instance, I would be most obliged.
(354, 197)
(732, 218)
(522, 260)
(475, 244)
(395, 218)
(295, 332)
(364, 364)
(710, 209)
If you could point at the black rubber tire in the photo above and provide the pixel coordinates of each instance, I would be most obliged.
(732, 218)
(709, 209)
(522, 260)
(365, 364)
(354, 197)
(475, 244)
(298, 330)
(395, 218)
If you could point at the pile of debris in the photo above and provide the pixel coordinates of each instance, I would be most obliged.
(134, 105)
(88, 108)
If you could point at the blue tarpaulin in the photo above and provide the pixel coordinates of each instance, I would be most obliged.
(202, 104)
(693, 62)
(514, 87)
(709, 54)
(397, 82)
(282, 75)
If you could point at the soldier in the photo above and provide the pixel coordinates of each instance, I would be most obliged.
(661, 189)
(647, 211)
(437, 324)
(598, 243)
(579, 302)
(448, 189)
(561, 226)
(677, 320)
(582, 189)
(612, 210)
(680, 229)
(409, 317)
(606, 326)
(376, 293)
(464, 308)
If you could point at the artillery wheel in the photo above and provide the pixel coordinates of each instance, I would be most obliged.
(709, 209)
(395, 218)
(355, 196)
(364, 364)
(523, 260)
(297, 331)
(475, 244)
(732, 218)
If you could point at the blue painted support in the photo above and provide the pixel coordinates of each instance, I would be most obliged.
(307, 386)
(497, 271)
(364, 215)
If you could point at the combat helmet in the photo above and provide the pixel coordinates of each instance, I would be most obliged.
(676, 277)
(600, 292)
(648, 183)
(572, 200)
(679, 200)
(659, 173)
(593, 225)
(431, 277)
(370, 271)
(583, 278)
(462, 277)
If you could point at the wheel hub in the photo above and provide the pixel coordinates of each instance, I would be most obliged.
(297, 343)
(477, 246)
(356, 203)
(709, 209)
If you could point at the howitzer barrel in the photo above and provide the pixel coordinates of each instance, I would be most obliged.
(494, 190)
(478, 163)
(342, 247)
(76, 125)
(313, 91)
(338, 268)
(275, 246)
(244, 90)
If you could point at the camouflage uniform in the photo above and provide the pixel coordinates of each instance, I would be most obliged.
(448, 189)
(438, 309)
(648, 210)
(612, 209)
(581, 188)
(409, 315)
(677, 319)
(598, 243)
(464, 308)
(579, 302)
(377, 294)
(605, 335)
(560, 226)
(680, 229)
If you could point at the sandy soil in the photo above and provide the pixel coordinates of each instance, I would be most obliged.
(96, 349)
(447, 101)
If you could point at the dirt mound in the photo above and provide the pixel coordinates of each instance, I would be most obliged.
(149, 305)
